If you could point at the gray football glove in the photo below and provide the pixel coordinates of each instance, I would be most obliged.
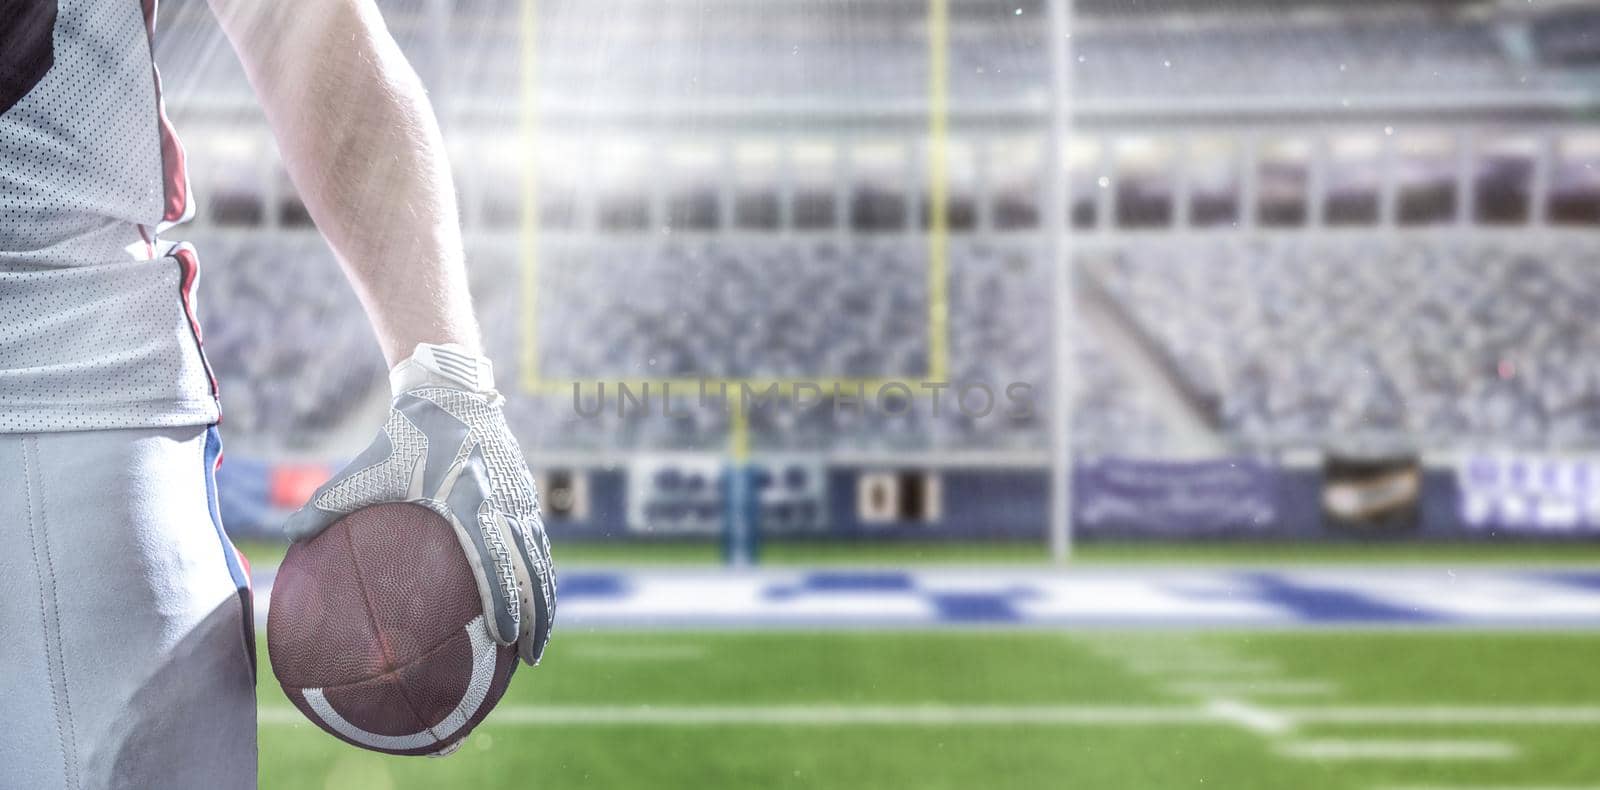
(446, 446)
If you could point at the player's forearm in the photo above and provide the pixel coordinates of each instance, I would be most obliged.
(363, 148)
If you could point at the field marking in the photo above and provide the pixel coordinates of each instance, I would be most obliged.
(1250, 717)
(1393, 749)
(1146, 602)
(1448, 714)
(1248, 688)
(826, 715)
(1233, 714)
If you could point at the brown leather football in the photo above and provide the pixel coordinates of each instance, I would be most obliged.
(376, 633)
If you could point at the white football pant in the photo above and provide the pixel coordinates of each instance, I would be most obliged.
(126, 655)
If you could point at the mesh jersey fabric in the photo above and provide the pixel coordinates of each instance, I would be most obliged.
(97, 324)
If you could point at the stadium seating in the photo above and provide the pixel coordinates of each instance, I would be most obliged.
(1287, 339)
(1350, 60)
(1282, 339)
(709, 309)
(285, 335)
(1317, 339)
(762, 309)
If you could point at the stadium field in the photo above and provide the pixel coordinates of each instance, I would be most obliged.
(1002, 709)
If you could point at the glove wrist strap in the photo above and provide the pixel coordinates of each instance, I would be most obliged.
(447, 365)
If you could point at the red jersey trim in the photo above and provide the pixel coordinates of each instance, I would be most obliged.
(174, 162)
(189, 265)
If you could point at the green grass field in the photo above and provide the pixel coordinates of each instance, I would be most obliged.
(1278, 710)
(1009, 709)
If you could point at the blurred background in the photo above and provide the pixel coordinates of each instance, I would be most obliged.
(1300, 291)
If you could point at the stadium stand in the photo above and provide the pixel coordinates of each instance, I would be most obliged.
(734, 310)
(288, 342)
(1311, 340)
(1287, 339)
(1266, 330)
(765, 309)
(1317, 61)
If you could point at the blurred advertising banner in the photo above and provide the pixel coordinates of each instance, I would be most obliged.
(1121, 497)
(1372, 496)
(255, 497)
(1528, 494)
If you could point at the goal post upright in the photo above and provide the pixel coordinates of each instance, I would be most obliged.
(741, 527)
(528, 226)
(938, 277)
(741, 518)
(1063, 307)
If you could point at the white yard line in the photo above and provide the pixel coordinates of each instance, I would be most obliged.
(1249, 688)
(1215, 712)
(1250, 717)
(827, 715)
(1396, 750)
(1447, 714)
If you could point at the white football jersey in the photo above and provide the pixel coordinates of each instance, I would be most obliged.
(97, 324)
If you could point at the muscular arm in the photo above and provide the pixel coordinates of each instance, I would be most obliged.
(363, 148)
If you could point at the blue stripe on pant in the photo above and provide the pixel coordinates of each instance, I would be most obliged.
(236, 567)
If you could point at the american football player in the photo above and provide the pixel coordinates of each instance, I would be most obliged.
(126, 655)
